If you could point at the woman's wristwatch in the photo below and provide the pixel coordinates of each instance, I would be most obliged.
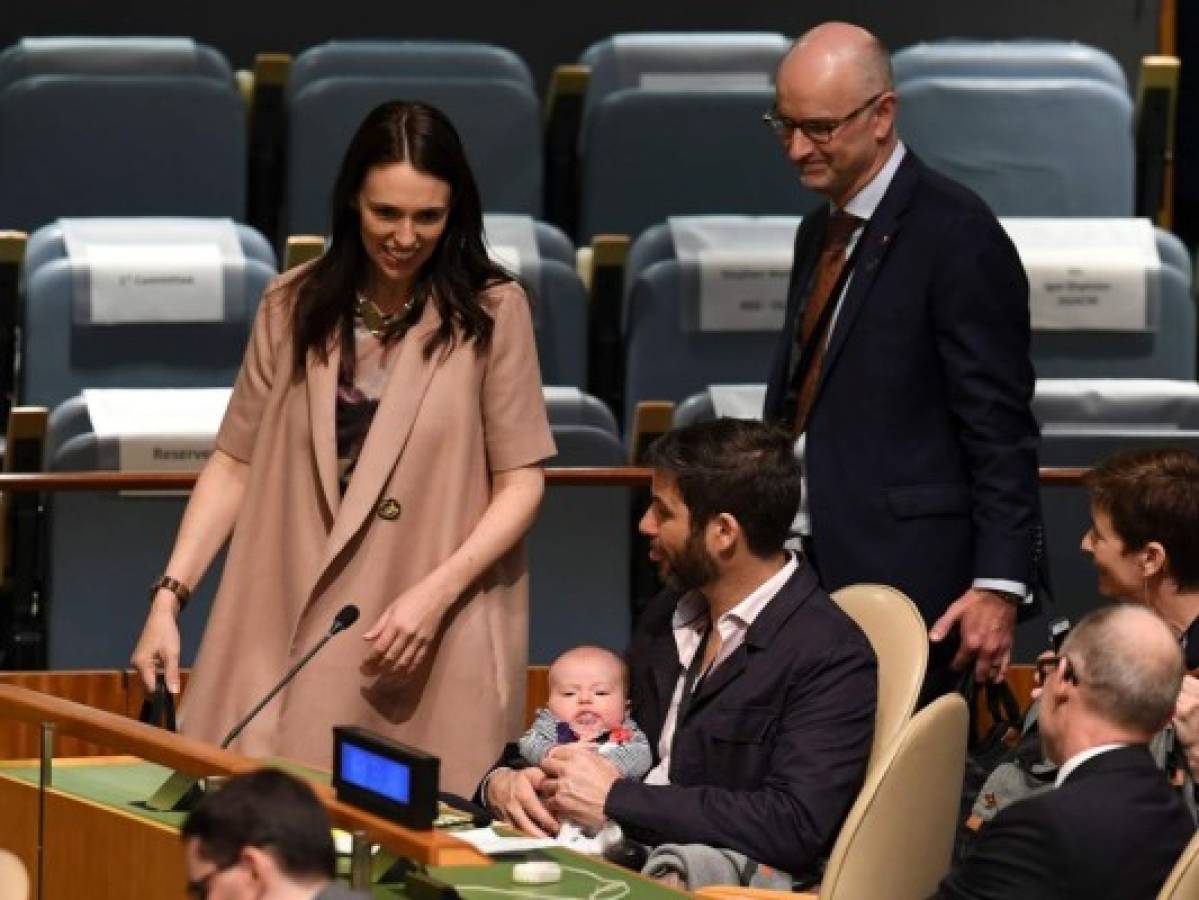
(181, 591)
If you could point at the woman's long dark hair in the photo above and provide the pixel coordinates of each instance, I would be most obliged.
(453, 277)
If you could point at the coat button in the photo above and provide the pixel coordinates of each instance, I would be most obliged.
(388, 508)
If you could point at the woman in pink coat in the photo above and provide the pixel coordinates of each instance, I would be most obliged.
(382, 447)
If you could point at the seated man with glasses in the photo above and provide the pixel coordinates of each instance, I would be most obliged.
(262, 836)
(1112, 827)
(902, 370)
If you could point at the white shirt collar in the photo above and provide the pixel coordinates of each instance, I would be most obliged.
(864, 203)
(1078, 759)
(693, 607)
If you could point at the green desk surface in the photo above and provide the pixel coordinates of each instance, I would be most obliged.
(124, 785)
(120, 786)
(583, 879)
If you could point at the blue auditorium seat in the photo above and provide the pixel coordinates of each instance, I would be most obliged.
(119, 127)
(1165, 351)
(667, 356)
(672, 126)
(546, 266)
(486, 91)
(1036, 127)
(62, 352)
(1029, 145)
(579, 547)
(101, 551)
(1031, 58)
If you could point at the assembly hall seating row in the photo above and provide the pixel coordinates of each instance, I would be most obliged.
(1037, 127)
(711, 290)
(96, 548)
(695, 300)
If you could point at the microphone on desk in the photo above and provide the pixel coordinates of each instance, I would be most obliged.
(181, 791)
(345, 617)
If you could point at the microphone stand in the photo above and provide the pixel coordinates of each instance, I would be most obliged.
(181, 791)
(303, 661)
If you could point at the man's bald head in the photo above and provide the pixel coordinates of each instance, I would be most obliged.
(1129, 666)
(838, 52)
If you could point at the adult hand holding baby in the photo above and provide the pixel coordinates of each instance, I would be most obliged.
(578, 783)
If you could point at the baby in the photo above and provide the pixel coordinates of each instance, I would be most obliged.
(588, 704)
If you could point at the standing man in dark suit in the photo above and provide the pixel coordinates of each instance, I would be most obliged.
(1113, 827)
(903, 368)
(757, 693)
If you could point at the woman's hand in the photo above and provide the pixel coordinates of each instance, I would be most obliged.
(403, 635)
(158, 647)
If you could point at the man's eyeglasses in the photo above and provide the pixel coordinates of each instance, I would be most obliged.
(1047, 665)
(818, 131)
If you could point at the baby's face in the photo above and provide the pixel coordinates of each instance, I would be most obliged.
(586, 692)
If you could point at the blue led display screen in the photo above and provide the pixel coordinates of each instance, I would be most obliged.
(375, 773)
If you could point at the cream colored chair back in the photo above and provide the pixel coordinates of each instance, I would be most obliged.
(897, 841)
(14, 880)
(900, 640)
(1183, 883)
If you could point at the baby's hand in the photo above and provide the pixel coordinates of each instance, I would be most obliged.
(560, 749)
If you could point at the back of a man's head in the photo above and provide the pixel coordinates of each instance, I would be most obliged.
(272, 811)
(736, 466)
(1129, 667)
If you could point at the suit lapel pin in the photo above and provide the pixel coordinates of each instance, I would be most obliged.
(872, 263)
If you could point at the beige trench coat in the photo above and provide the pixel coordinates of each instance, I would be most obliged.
(299, 551)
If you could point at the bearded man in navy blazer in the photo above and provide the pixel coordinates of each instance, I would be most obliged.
(756, 691)
(903, 368)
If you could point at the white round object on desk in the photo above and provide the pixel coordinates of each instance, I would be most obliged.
(537, 872)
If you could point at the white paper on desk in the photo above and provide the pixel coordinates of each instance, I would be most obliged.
(486, 840)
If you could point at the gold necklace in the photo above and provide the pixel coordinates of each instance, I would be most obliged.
(380, 324)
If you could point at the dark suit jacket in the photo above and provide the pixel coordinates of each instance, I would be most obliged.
(921, 451)
(773, 748)
(1114, 829)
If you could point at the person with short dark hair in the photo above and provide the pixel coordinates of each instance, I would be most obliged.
(382, 446)
(756, 691)
(1143, 536)
(1112, 827)
(261, 836)
(1144, 540)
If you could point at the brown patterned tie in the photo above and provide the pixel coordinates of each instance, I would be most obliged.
(815, 325)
